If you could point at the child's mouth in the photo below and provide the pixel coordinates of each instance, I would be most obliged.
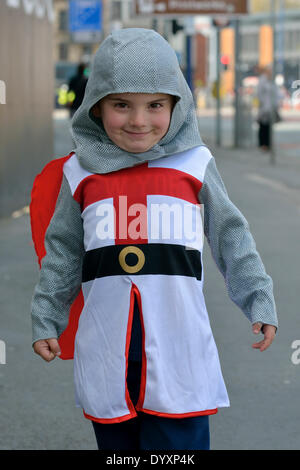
(137, 134)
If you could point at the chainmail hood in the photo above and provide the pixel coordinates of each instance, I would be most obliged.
(133, 60)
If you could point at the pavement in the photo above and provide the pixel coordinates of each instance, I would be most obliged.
(37, 409)
(263, 387)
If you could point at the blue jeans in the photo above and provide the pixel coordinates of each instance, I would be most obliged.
(149, 432)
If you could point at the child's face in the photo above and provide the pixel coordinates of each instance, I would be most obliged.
(135, 121)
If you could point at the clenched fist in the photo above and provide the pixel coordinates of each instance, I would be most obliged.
(48, 349)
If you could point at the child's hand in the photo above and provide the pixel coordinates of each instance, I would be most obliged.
(48, 349)
(268, 332)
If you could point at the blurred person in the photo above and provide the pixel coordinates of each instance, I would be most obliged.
(269, 97)
(77, 86)
(146, 367)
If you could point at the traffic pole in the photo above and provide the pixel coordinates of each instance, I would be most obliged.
(218, 100)
(273, 85)
(237, 113)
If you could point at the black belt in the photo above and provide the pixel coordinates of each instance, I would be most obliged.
(152, 258)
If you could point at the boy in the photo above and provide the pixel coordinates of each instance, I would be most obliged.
(146, 366)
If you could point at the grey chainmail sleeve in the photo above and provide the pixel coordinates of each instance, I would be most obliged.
(60, 274)
(234, 251)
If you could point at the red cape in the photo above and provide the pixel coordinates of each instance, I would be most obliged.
(44, 194)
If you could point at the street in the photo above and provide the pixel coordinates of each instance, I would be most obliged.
(37, 406)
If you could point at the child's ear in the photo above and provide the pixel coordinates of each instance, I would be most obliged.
(96, 110)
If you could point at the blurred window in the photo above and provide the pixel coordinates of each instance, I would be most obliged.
(63, 51)
(116, 10)
(87, 49)
(295, 40)
(298, 41)
(63, 20)
(249, 42)
(132, 8)
(64, 71)
(255, 42)
(288, 40)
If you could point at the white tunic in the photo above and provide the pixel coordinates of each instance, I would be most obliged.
(152, 211)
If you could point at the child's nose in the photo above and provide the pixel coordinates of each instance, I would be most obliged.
(137, 118)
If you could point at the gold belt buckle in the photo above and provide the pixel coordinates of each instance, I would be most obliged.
(140, 263)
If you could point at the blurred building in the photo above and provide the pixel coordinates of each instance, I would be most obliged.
(26, 98)
(258, 42)
(67, 53)
(115, 15)
(255, 41)
(70, 49)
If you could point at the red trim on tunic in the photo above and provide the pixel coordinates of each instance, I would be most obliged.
(155, 413)
(128, 337)
(110, 420)
(144, 357)
(178, 415)
(67, 338)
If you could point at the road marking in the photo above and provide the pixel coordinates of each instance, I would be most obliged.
(276, 185)
(20, 212)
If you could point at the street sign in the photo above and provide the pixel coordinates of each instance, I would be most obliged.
(85, 20)
(191, 7)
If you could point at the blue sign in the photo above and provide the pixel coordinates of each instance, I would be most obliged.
(85, 15)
